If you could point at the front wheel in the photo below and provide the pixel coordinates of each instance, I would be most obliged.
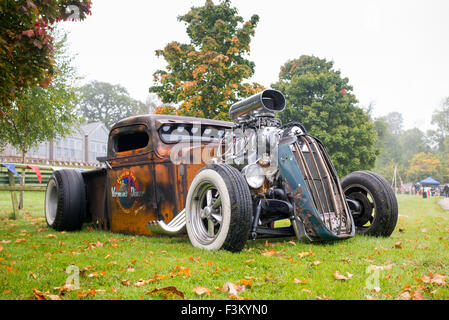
(219, 209)
(378, 212)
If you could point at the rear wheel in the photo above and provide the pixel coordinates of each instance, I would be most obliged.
(65, 201)
(219, 209)
(378, 205)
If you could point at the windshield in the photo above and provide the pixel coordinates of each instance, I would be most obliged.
(182, 132)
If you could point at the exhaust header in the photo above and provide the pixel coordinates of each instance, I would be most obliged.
(263, 104)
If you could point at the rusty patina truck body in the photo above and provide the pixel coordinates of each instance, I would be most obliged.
(221, 182)
(138, 158)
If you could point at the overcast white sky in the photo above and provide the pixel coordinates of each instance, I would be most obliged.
(395, 53)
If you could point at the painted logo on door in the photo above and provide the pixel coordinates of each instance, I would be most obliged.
(126, 190)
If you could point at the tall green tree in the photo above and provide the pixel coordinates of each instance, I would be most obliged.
(409, 151)
(412, 141)
(321, 99)
(397, 146)
(389, 149)
(395, 122)
(27, 56)
(206, 76)
(43, 114)
(107, 103)
(440, 118)
(383, 134)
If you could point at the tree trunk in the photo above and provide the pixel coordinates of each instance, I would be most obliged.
(22, 181)
(15, 207)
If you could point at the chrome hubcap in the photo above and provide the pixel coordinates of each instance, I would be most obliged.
(206, 213)
(51, 202)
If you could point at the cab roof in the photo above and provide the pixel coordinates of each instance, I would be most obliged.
(156, 120)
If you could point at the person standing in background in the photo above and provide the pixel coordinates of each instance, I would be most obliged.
(446, 191)
(417, 188)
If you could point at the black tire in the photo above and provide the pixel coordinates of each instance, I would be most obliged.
(394, 201)
(228, 225)
(379, 207)
(65, 201)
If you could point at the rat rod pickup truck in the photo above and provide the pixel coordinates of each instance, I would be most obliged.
(222, 182)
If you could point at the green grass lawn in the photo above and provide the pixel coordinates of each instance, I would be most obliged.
(412, 263)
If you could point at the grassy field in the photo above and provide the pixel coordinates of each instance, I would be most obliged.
(412, 264)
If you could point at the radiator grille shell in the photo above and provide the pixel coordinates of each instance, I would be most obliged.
(315, 189)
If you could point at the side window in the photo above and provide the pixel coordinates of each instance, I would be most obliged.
(130, 139)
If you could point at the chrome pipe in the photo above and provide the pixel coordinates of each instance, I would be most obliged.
(265, 103)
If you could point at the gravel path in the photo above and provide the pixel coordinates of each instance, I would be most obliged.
(444, 203)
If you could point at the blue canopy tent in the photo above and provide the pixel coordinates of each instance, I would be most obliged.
(430, 180)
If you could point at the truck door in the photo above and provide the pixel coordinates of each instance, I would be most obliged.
(131, 179)
(173, 176)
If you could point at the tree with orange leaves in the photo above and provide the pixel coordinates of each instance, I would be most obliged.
(206, 76)
(424, 165)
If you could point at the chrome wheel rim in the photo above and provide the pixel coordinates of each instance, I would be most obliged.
(51, 202)
(206, 213)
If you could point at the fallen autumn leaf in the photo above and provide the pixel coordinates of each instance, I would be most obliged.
(168, 292)
(201, 290)
(338, 276)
